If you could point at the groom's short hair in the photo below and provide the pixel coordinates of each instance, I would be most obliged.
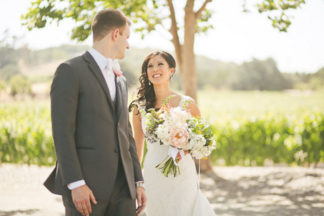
(107, 20)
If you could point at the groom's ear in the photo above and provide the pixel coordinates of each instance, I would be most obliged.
(115, 33)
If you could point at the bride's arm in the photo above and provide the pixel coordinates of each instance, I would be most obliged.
(138, 133)
(193, 108)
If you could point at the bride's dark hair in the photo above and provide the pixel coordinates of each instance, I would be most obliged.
(145, 95)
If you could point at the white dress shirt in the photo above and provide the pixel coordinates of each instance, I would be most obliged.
(106, 67)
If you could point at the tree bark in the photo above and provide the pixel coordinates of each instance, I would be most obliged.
(189, 75)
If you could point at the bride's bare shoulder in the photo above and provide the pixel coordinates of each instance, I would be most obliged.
(191, 105)
(137, 111)
(175, 99)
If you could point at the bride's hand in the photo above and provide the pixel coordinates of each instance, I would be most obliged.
(179, 155)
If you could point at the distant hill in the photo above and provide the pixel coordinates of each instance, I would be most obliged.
(40, 65)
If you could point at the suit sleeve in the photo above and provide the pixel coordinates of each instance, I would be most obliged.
(136, 163)
(64, 102)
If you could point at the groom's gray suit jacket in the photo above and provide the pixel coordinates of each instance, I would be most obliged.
(91, 132)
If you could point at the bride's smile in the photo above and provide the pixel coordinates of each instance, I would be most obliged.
(156, 75)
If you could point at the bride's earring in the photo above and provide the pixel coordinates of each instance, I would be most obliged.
(172, 75)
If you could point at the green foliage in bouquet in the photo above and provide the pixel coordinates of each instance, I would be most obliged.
(199, 126)
(153, 119)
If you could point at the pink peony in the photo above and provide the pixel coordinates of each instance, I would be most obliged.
(179, 137)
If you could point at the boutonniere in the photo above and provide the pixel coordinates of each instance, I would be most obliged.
(116, 68)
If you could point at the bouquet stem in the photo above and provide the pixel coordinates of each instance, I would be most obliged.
(168, 167)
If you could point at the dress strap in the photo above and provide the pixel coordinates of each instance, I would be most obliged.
(184, 101)
(141, 109)
(181, 100)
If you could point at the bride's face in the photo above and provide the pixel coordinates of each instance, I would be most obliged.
(158, 70)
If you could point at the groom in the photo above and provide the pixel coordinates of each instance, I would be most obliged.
(97, 170)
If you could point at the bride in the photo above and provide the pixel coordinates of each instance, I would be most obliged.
(171, 196)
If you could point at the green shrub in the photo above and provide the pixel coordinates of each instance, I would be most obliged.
(8, 71)
(2, 86)
(19, 85)
(277, 138)
(25, 134)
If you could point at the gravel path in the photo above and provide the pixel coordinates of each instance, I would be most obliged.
(232, 191)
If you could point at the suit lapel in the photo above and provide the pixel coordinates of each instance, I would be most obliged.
(119, 99)
(94, 68)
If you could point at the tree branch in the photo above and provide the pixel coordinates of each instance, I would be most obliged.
(201, 9)
(174, 31)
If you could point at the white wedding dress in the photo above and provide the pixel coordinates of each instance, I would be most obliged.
(172, 196)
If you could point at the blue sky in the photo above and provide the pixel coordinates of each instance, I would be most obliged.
(236, 36)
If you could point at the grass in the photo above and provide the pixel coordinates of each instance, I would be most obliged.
(222, 106)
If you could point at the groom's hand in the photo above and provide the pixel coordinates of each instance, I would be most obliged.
(141, 199)
(81, 197)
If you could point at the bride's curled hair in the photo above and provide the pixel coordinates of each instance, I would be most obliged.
(145, 95)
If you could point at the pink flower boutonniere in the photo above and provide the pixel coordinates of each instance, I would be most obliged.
(118, 73)
(116, 68)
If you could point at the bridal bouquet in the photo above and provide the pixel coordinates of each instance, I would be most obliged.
(176, 128)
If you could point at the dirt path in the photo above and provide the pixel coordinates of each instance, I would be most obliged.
(232, 191)
(267, 191)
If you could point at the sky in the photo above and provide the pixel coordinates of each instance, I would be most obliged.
(236, 37)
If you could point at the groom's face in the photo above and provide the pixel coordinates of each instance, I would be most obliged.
(122, 42)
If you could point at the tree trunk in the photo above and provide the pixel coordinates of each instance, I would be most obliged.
(189, 75)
